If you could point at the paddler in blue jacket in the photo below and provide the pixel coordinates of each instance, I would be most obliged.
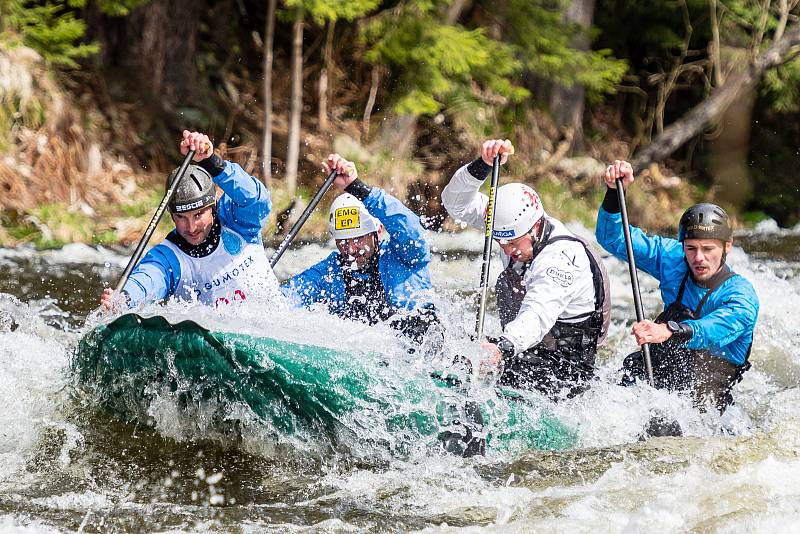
(215, 254)
(367, 278)
(701, 341)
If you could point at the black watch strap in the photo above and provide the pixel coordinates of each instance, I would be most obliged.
(680, 331)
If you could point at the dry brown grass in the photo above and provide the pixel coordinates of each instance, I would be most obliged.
(62, 160)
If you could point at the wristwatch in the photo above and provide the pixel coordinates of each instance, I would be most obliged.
(680, 331)
(506, 348)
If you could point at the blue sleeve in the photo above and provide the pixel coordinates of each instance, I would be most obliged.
(407, 234)
(315, 284)
(245, 203)
(154, 278)
(735, 316)
(655, 255)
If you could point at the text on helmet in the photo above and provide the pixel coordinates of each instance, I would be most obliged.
(701, 227)
(188, 207)
(500, 234)
(346, 218)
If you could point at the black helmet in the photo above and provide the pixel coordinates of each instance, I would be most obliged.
(704, 221)
(195, 191)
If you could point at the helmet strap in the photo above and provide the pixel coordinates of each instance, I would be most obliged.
(725, 251)
(536, 231)
(540, 235)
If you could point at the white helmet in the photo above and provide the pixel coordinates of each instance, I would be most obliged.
(349, 218)
(517, 209)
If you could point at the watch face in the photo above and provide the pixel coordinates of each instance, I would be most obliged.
(505, 346)
(673, 326)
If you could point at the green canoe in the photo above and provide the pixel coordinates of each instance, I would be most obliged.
(291, 389)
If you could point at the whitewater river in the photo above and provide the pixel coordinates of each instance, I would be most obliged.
(67, 466)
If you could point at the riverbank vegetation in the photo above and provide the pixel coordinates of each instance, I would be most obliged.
(701, 95)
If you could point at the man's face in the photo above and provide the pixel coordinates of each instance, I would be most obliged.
(358, 250)
(704, 256)
(194, 226)
(519, 249)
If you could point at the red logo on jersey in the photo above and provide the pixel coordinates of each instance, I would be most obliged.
(238, 296)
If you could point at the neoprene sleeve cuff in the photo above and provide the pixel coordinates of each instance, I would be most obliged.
(611, 201)
(213, 165)
(358, 189)
(479, 169)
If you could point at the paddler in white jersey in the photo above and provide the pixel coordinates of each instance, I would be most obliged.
(552, 296)
(215, 255)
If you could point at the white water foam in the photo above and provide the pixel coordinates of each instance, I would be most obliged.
(11, 524)
(33, 358)
(711, 482)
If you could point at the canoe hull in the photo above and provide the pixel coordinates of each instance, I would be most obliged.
(296, 390)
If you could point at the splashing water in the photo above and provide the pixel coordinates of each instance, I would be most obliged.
(67, 465)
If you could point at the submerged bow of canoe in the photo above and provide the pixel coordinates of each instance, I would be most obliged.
(304, 391)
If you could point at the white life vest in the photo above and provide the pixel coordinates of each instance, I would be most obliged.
(235, 271)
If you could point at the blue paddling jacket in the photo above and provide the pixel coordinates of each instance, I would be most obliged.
(229, 264)
(727, 319)
(402, 260)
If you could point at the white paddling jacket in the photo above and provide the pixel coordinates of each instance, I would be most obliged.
(559, 281)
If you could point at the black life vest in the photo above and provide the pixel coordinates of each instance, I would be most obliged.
(676, 368)
(677, 311)
(366, 301)
(577, 339)
(365, 297)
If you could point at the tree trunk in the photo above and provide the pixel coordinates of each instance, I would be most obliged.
(373, 93)
(712, 108)
(399, 133)
(154, 47)
(266, 144)
(180, 65)
(327, 67)
(567, 103)
(296, 106)
(729, 152)
(455, 10)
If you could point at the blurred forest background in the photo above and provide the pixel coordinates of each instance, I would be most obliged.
(702, 95)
